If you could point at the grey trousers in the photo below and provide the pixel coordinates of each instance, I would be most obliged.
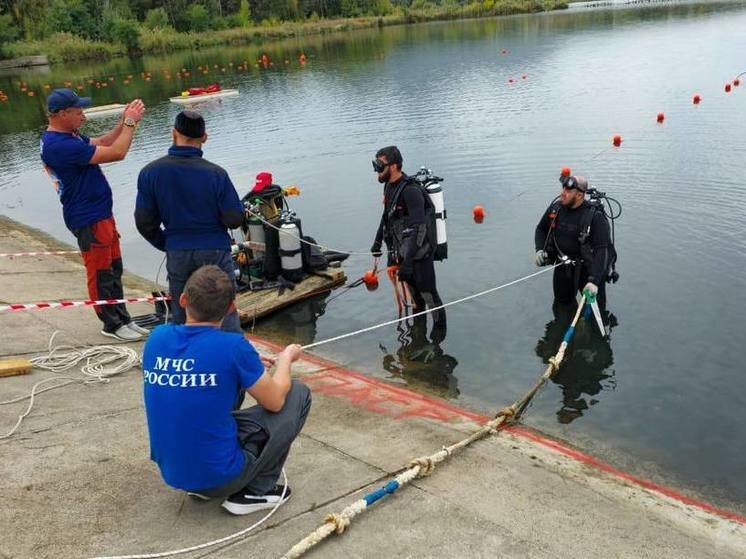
(181, 263)
(266, 438)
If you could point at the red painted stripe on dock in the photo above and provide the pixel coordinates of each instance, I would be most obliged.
(516, 430)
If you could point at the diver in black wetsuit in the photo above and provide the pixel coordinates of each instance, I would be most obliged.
(573, 227)
(408, 228)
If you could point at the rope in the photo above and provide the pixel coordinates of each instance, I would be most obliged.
(443, 306)
(98, 368)
(425, 465)
(304, 241)
(211, 543)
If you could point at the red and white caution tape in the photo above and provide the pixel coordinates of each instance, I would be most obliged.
(87, 303)
(44, 253)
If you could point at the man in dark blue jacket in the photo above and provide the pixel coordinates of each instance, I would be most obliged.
(196, 203)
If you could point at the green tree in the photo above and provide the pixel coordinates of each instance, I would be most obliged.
(157, 17)
(70, 16)
(9, 32)
(127, 32)
(349, 8)
(244, 14)
(198, 18)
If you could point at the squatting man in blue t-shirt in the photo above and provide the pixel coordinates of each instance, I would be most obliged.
(72, 161)
(196, 203)
(194, 377)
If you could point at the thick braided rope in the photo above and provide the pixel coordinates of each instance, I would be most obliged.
(425, 465)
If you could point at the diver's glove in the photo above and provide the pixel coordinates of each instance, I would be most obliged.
(406, 273)
(541, 258)
(375, 250)
(590, 291)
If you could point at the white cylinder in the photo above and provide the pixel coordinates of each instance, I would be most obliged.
(291, 259)
(435, 192)
(256, 234)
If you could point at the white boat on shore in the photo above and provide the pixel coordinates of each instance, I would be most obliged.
(189, 99)
(104, 110)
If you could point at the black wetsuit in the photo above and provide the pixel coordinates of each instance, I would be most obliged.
(558, 233)
(410, 243)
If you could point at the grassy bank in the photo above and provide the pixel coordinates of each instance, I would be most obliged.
(65, 47)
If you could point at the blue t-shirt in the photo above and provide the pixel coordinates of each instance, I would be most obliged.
(192, 376)
(83, 190)
(188, 194)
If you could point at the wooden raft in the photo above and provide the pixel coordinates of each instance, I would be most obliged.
(256, 304)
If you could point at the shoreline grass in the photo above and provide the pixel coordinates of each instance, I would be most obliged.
(65, 47)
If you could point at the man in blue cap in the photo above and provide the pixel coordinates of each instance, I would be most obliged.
(185, 206)
(72, 161)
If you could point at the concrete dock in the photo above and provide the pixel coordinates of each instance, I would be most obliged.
(76, 479)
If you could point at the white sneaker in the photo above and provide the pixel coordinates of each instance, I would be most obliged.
(137, 328)
(123, 333)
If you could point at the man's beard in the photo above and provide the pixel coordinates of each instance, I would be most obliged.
(384, 178)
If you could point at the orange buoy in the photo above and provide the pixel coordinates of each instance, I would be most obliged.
(661, 117)
(727, 88)
(736, 82)
(511, 80)
(478, 213)
(616, 140)
(565, 171)
(696, 99)
(370, 279)
(523, 76)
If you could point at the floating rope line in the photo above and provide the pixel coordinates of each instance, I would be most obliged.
(425, 465)
(101, 363)
(443, 306)
(304, 241)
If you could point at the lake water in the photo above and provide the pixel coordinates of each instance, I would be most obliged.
(666, 397)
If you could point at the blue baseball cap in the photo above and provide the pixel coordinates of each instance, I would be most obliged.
(65, 98)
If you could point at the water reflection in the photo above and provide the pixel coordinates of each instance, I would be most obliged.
(586, 370)
(420, 360)
(297, 323)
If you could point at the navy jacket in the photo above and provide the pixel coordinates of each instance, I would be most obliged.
(193, 199)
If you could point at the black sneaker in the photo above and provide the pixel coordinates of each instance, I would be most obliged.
(245, 503)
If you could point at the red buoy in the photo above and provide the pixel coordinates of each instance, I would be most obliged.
(370, 279)
(511, 80)
(523, 76)
(616, 140)
(727, 88)
(696, 99)
(736, 82)
(478, 213)
(566, 171)
(661, 117)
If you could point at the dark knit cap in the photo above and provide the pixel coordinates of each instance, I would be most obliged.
(190, 124)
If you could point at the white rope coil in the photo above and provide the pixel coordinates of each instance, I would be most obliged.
(100, 364)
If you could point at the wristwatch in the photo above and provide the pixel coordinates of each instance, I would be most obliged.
(129, 121)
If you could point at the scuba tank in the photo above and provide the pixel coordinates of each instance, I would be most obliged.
(255, 230)
(290, 247)
(432, 186)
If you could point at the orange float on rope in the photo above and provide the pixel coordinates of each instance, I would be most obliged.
(478, 213)
(727, 88)
(616, 140)
(565, 171)
(696, 99)
(370, 279)
(661, 117)
(736, 82)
